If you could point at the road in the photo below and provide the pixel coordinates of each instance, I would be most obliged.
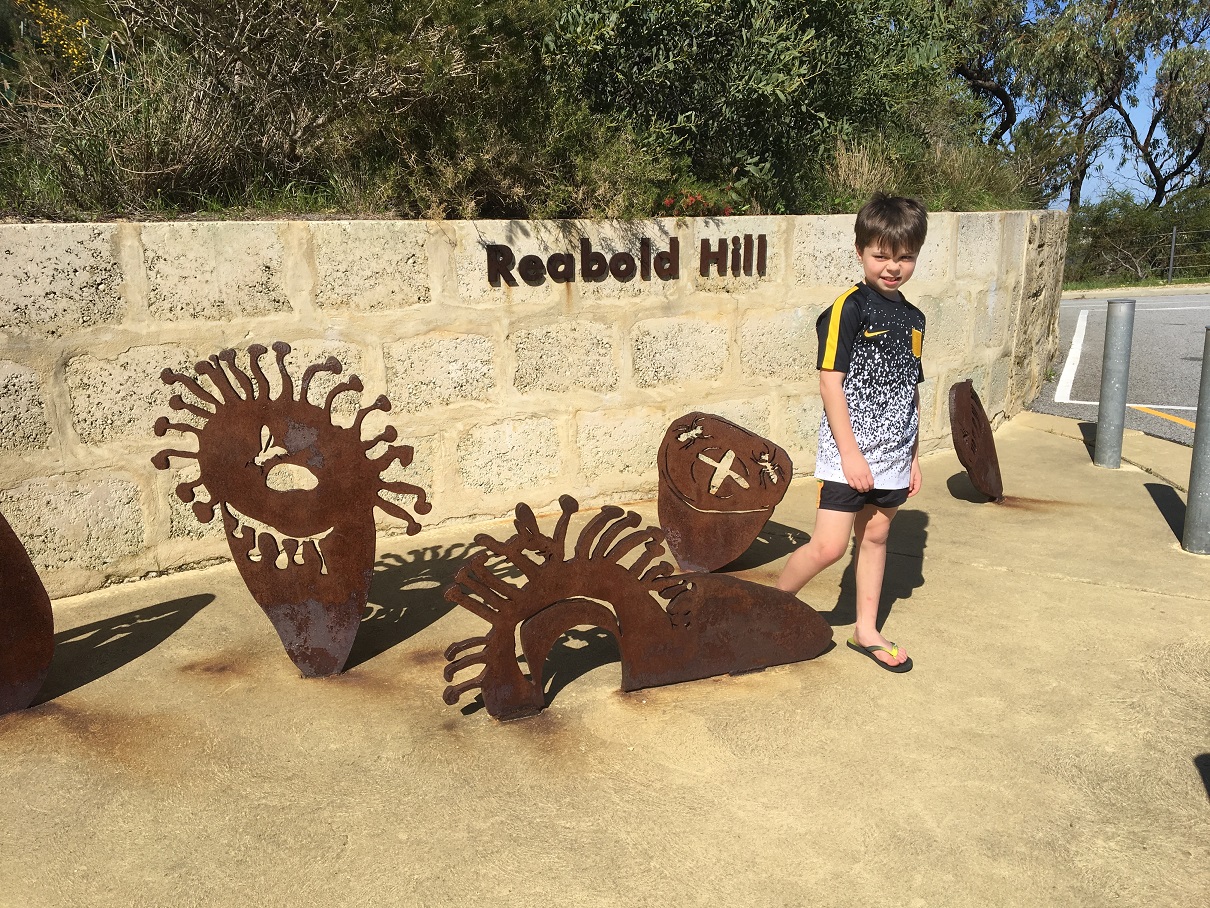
(1165, 362)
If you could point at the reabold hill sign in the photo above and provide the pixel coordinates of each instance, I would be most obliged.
(745, 255)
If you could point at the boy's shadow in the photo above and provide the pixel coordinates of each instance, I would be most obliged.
(904, 571)
(406, 596)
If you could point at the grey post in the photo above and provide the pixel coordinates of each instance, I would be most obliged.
(1172, 256)
(1115, 377)
(1196, 535)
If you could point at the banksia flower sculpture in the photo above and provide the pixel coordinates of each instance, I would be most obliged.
(669, 627)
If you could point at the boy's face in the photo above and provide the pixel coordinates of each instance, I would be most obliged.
(886, 271)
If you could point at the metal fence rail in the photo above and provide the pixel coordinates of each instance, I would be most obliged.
(1178, 254)
(1189, 251)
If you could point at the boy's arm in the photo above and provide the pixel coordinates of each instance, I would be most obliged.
(852, 462)
(916, 478)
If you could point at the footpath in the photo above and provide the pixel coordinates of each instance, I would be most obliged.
(1050, 748)
(1137, 292)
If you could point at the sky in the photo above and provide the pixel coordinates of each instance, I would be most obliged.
(1113, 174)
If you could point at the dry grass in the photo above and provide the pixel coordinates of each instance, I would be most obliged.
(948, 177)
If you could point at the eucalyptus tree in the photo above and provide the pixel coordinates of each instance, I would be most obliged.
(1171, 150)
(1060, 77)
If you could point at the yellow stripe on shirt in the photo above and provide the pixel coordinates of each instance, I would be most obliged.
(829, 350)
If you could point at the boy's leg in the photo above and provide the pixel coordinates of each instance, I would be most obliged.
(828, 545)
(872, 526)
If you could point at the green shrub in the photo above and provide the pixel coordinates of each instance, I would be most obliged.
(481, 108)
(1120, 240)
(752, 92)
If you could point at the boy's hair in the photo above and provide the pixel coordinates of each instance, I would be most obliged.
(895, 221)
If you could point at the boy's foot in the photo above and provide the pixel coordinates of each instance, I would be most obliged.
(889, 656)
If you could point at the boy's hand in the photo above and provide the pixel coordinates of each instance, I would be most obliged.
(856, 471)
(916, 480)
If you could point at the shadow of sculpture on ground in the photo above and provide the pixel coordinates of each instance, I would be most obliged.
(1168, 503)
(575, 654)
(406, 597)
(1202, 763)
(961, 488)
(775, 540)
(89, 652)
(904, 571)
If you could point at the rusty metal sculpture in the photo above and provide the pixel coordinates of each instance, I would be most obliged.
(973, 441)
(719, 484)
(709, 624)
(27, 626)
(296, 493)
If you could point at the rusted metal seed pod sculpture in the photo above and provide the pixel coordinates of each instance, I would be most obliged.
(973, 441)
(27, 626)
(719, 484)
(296, 494)
(670, 628)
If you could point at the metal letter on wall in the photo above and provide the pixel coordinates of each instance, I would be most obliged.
(296, 493)
(670, 628)
(973, 441)
(719, 484)
(27, 626)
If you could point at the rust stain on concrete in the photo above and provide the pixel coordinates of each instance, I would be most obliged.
(224, 665)
(151, 745)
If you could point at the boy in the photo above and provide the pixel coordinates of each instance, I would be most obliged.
(870, 342)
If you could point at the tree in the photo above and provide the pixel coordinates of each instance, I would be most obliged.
(1059, 77)
(1173, 148)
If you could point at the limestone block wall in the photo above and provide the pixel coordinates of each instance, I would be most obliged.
(508, 393)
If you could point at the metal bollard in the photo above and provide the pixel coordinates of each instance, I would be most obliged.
(1196, 535)
(1115, 377)
(1172, 257)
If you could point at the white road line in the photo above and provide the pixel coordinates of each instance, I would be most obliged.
(1144, 308)
(1063, 389)
(1097, 403)
(1169, 308)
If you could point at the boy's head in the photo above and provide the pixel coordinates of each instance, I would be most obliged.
(893, 222)
(890, 231)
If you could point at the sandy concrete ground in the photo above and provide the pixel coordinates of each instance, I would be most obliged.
(1051, 746)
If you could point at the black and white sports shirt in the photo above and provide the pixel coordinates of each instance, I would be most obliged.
(877, 343)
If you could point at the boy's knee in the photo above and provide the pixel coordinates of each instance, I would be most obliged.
(830, 551)
(876, 535)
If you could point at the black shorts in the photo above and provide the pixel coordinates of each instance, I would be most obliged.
(839, 496)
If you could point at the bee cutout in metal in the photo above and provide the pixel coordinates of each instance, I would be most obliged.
(296, 493)
(27, 626)
(719, 484)
(973, 440)
(669, 627)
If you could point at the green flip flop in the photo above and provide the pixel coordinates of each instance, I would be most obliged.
(904, 666)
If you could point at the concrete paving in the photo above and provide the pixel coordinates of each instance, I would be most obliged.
(1051, 746)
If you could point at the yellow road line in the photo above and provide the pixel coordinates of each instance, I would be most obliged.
(1176, 419)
